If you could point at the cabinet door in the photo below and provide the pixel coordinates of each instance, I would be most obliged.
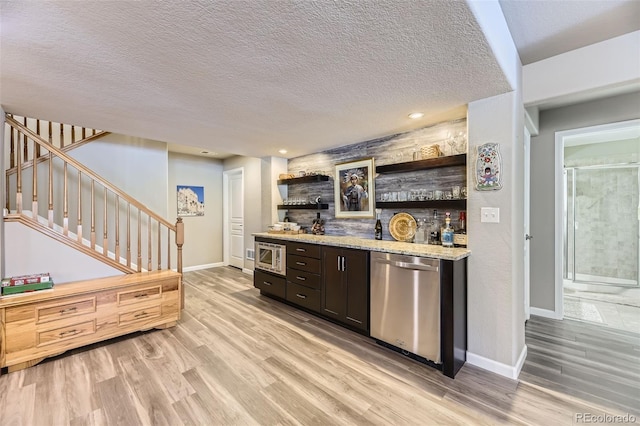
(333, 291)
(357, 288)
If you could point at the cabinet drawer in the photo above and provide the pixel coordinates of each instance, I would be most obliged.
(144, 314)
(65, 309)
(302, 249)
(303, 296)
(303, 278)
(303, 263)
(56, 335)
(268, 283)
(139, 295)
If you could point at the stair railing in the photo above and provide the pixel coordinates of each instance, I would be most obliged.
(144, 241)
(62, 136)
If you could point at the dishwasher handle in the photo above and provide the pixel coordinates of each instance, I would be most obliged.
(407, 265)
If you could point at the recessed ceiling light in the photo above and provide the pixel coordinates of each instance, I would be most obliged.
(283, 151)
(416, 115)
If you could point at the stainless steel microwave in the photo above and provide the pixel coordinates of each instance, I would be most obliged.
(271, 257)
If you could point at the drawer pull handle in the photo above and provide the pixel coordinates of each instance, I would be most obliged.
(69, 333)
(141, 315)
(266, 283)
(301, 278)
(301, 249)
(139, 296)
(68, 310)
(301, 296)
(301, 263)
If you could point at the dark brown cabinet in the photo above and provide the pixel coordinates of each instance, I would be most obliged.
(345, 290)
(304, 275)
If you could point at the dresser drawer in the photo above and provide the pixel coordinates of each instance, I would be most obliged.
(268, 283)
(128, 297)
(139, 315)
(303, 263)
(61, 334)
(303, 278)
(65, 309)
(303, 296)
(302, 249)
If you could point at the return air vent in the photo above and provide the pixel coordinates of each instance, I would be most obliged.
(251, 254)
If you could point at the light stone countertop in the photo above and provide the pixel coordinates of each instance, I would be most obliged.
(397, 247)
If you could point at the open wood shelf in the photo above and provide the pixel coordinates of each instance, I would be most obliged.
(435, 204)
(304, 179)
(431, 163)
(303, 206)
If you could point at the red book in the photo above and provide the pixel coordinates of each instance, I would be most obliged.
(30, 279)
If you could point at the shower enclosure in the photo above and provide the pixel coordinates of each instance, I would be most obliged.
(601, 226)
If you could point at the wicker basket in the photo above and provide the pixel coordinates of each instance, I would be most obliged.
(430, 151)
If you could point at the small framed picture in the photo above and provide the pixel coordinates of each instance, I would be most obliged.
(190, 200)
(488, 167)
(354, 189)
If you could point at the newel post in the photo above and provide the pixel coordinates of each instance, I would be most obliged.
(179, 243)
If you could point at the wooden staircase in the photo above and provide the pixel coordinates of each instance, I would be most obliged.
(51, 192)
(84, 211)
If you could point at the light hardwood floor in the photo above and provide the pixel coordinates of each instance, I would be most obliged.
(237, 358)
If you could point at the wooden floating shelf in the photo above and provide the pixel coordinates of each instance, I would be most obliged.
(304, 179)
(303, 206)
(442, 204)
(430, 163)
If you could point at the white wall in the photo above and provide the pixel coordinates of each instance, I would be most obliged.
(137, 166)
(496, 270)
(203, 234)
(36, 252)
(602, 69)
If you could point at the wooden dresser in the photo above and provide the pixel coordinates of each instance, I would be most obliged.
(41, 324)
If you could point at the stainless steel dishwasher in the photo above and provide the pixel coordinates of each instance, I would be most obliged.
(405, 303)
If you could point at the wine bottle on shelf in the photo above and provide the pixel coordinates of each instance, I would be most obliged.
(434, 236)
(378, 227)
(460, 236)
(447, 231)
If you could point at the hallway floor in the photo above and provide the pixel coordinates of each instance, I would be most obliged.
(621, 312)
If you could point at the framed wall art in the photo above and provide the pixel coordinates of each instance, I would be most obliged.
(488, 167)
(354, 189)
(190, 200)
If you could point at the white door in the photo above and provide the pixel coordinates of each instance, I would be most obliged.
(234, 218)
(527, 213)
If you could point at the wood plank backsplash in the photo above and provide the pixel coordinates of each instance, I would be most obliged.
(386, 150)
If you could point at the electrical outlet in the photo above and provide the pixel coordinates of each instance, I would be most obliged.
(490, 214)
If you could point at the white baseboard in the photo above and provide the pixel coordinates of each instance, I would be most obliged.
(505, 370)
(205, 266)
(247, 271)
(546, 313)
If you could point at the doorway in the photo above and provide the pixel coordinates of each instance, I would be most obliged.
(600, 225)
(233, 217)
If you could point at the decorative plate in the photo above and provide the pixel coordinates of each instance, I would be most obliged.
(402, 226)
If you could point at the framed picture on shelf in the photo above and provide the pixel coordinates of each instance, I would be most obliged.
(354, 189)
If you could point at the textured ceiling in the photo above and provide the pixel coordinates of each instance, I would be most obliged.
(245, 77)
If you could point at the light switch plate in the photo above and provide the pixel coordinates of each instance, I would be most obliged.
(490, 214)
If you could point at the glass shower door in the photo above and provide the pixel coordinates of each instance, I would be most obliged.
(602, 230)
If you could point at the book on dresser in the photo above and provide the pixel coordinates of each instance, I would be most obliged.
(26, 283)
(41, 277)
